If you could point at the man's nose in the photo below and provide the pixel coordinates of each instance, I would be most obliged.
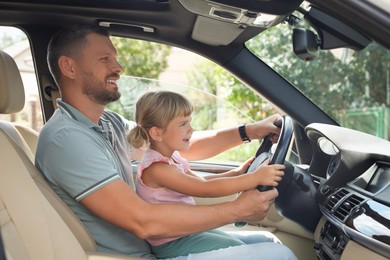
(117, 67)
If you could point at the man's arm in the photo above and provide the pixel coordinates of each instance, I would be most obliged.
(206, 144)
(119, 205)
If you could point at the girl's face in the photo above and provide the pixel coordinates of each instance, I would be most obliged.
(176, 136)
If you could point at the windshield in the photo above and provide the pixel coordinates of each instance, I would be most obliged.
(353, 87)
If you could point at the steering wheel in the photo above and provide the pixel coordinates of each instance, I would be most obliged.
(296, 189)
(279, 156)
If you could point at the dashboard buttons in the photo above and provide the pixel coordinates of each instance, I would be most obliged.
(325, 189)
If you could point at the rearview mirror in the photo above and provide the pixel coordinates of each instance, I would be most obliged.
(305, 44)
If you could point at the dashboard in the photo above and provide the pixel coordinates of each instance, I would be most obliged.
(352, 170)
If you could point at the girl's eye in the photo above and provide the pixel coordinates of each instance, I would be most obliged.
(184, 123)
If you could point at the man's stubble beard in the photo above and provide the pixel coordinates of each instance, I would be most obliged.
(96, 90)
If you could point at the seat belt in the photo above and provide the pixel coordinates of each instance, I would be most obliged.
(55, 93)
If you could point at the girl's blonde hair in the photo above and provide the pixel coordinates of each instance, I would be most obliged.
(156, 109)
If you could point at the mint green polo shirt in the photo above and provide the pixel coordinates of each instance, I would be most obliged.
(79, 157)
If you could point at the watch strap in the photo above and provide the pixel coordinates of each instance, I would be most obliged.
(243, 135)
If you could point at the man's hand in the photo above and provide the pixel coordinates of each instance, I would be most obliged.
(253, 205)
(261, 129)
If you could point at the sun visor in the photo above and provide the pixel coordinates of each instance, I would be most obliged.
(214, 32)
(277, 7)
(218, 24)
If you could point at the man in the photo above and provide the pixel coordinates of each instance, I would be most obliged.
(83, 153)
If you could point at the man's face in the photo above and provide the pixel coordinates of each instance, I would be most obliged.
(99, 70)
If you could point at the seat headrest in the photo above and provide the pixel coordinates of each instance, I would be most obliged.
(11, 86)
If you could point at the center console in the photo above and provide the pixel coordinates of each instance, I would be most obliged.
(332, 242)
(349, 215)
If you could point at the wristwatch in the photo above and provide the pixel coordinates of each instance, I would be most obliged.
(243, 135)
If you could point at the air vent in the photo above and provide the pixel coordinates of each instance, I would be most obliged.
(342, 203)
(334, 200)
(345, 208)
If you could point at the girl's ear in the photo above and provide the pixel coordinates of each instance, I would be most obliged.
(156, 134)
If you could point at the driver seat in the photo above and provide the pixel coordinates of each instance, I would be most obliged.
(34, 222)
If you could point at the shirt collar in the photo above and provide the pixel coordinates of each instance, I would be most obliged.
(75, 114)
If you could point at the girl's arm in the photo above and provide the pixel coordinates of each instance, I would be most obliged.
(163, 175)
(235, 172)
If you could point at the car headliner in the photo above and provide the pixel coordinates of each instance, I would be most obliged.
(173, 23)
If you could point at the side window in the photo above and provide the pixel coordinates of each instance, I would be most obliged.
(219, 99)
(14, 42)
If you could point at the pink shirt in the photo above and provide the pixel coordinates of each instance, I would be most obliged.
(161, 195)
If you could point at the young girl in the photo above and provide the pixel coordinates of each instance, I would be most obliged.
(164, 122)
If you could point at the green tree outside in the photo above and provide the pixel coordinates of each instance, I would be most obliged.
(363, 87)
(352, 81)
(138, 59)
(9, 36)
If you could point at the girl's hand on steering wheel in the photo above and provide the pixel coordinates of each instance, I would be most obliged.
(269, 175)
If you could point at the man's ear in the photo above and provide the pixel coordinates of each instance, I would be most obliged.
(156, 134)
(66, 66)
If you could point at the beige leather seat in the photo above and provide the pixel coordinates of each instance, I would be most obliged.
(30, 136)
(12, 101)
(34, 221)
